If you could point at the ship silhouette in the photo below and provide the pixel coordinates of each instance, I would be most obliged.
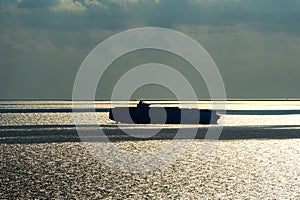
(144, 113)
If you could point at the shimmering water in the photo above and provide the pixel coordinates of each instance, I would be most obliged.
(256, 156)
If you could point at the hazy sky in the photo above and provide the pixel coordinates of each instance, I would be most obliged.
(255, 43)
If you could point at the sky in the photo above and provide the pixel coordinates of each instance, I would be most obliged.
(255, 43)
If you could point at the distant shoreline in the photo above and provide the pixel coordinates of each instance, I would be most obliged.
(201, 99)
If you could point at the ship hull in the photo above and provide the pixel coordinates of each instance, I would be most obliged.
(163, 115)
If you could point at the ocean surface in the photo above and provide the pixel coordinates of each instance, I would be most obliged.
(256, 156)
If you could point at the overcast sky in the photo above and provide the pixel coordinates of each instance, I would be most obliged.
(255, 43)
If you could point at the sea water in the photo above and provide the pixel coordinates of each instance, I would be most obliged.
(256, 155)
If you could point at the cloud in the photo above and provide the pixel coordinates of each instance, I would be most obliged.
(33, 4)
(69, 5)
(94, 3)
(77, 6)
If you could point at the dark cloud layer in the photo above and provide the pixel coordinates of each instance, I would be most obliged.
(255, 43)
(166, 13)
